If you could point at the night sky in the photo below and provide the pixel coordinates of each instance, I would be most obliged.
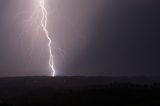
(91, 37)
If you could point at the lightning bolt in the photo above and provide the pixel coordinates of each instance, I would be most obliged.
(44, 27)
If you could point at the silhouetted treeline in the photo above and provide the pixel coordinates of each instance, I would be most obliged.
(59, 91)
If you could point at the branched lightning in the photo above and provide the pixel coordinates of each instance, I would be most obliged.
(44, 27)
(38, 19)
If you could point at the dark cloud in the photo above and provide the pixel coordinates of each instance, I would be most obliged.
(125, 41)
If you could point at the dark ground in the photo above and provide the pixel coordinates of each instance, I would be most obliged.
(78, 91)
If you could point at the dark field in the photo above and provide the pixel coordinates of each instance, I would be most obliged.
(78, 91)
